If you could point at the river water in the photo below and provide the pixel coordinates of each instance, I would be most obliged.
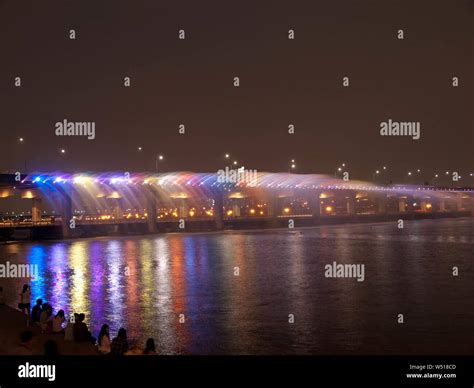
(236, 292)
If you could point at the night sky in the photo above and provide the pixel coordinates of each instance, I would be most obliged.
(282, 82)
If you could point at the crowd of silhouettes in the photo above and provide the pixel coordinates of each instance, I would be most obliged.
(75, 330)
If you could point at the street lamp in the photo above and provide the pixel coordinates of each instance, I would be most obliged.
(159, 158)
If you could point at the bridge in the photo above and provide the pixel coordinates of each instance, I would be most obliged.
(73, 205)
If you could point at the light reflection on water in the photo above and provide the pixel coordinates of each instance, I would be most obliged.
(144, 283)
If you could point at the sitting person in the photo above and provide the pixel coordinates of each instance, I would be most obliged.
(81, 331)
(58, 321)
(150, 347)
(37, 310)
(119, 344)
(104, 340)
(69, 330)
(46, 318)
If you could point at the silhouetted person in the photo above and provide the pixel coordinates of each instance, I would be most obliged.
(37, 310)
(81, 331)
(25, 302)
(58, 321)
(104, 340)
(69, 330)
(150, 348)
(46, 318)
(120, 344)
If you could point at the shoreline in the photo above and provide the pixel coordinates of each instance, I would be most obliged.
(300, 223)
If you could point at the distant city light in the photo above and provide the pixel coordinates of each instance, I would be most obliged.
(63, 151)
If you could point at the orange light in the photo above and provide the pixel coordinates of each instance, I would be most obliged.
(286, 209)
(191, 213)
(428, 206)
(252, 211)
(230, 212)
(329, 209)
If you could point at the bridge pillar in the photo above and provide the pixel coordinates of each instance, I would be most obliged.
(382, 204)
(183, 208)
(403, 206)
(442, 205)
(315, 204)
(351, 203)
(218, 210)
(36, 209)
(151, 215)
(272, 209)
(117, 209)
(236, 208)
(151, 209)
(65, 203)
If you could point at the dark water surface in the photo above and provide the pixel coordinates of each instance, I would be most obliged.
(144, 283)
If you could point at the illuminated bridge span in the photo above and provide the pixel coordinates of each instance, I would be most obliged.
(173, 201)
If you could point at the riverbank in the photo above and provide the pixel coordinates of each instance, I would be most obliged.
(12, 324)
(140, 228)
